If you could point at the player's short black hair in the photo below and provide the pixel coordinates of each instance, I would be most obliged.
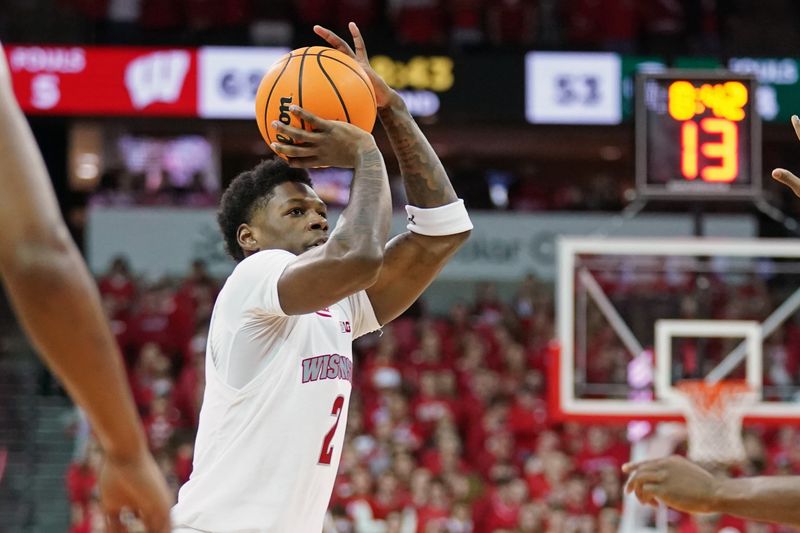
(249, 190)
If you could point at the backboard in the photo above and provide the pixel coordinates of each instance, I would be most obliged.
(651, 312)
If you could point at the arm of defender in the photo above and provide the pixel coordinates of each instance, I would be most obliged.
(53, 294)
(683, 485)
(353, 255)
(57, 303)
(784, 176)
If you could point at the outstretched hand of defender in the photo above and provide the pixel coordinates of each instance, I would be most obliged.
(784, 176)
(674, 481)
(135, 485)
(383, 92)
(331, 143)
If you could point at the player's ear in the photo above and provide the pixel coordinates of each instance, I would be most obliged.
(246, 238)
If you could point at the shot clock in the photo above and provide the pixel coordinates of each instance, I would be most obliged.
(698, 133)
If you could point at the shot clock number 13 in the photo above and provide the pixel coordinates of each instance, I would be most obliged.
(697, 134)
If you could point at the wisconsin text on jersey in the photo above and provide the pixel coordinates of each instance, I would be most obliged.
(328, 366)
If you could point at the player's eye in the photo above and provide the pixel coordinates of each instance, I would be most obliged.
(323, 214)
(296, 212)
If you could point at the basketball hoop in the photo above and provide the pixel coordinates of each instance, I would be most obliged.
(714, 413)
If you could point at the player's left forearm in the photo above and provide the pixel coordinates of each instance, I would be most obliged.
(771, 499)
(424, 178)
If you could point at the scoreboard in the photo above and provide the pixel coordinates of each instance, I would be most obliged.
(698, 134)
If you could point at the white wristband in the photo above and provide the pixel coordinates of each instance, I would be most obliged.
(439, 221)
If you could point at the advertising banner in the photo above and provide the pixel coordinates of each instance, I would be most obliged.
(220, 82)
(573, 88)
(104, 81)
(229, 79)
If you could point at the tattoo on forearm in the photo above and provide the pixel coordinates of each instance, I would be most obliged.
(425, 180)
(369, 210)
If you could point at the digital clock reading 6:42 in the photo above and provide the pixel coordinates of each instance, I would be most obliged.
(697, 134)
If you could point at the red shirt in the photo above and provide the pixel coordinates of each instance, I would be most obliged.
(81, 483)
(501, 515)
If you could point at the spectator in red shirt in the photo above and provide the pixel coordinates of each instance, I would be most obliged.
(502, 505)
(436, 509)
(527, 418)
(160, 423)
(389, 497)
(189, 388)
(150, 378)
(82, 476)
(545, 471)
(118, 286)
(151, 319)
(498, 449)
(429, 407)
(183, 460)
(446, 456)
(601, 450)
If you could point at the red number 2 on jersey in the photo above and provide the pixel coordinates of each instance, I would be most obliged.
(327, 450)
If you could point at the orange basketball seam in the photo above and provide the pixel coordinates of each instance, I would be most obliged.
(269, 97)
(333, 85)
(356, 72)
(300, 85)
(322, 53)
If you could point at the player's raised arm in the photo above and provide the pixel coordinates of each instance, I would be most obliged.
(56, 301)
(438, 222)
(683, 485)
(350, 260)
(784, 176)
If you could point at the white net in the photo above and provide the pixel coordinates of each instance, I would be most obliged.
(714, 413)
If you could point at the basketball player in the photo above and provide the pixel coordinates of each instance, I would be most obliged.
(57, 303)
(279, 357)
(681, 484)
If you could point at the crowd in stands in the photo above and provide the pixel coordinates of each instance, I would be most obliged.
(448, 428)
(656, 26)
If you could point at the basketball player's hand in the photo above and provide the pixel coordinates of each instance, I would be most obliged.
(383, 93)
(137, 486)
(331, 143)
(783, 175)
(675, 481)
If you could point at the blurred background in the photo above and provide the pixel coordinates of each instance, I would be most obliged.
(143, 110)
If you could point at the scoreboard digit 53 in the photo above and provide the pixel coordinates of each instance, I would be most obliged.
(698, 133)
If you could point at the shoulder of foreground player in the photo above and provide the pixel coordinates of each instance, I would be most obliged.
(261, 264)
(265, 258)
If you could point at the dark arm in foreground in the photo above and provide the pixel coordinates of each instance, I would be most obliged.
(681, 484)
(57, 302)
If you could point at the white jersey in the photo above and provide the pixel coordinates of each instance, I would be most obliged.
(275, 407)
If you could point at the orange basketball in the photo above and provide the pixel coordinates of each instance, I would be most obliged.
(323, 81)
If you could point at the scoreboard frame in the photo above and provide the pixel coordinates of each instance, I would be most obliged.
(680, 187)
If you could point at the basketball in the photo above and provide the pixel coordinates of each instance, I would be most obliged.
(322, 80)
